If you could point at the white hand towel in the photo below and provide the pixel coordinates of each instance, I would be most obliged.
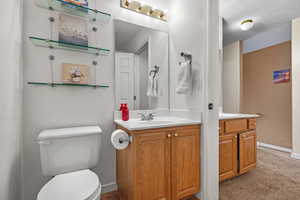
(184, 78)
(153, 85)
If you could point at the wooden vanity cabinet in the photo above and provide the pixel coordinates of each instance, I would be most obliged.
(247, 151)
(160, 164)
(228, 156)
(185, 162)
(153, 164)
(237, 147)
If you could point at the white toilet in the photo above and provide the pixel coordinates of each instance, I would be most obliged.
(68, 154)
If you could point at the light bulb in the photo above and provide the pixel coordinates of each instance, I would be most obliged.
(247, 24)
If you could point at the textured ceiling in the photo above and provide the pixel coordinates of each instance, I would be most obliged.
(266, 14)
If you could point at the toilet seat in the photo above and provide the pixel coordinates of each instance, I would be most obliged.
(80, 185)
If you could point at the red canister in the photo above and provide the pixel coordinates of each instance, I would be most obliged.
(125, 112)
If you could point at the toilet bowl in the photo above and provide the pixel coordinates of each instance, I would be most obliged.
(80, 185)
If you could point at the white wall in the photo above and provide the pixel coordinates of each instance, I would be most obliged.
(273, 36)
(186, 35)
(221, 62)
(211, 95)
(194, 29)
(46, 107)
(232, 77)
(296, 87)
(10, 100)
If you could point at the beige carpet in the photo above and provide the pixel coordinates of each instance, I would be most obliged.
(277, 177)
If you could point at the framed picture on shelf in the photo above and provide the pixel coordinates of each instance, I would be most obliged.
(73, 4)
(75, 73)
(72, 30)
(83, 3)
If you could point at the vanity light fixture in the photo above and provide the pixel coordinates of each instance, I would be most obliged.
(134, 5)
(247, 24)
(144, 9)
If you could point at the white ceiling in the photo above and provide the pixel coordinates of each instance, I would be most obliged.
(266, 14)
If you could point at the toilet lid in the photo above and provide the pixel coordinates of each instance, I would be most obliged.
(80, 185)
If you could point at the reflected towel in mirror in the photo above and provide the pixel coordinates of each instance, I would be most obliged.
(152, 85)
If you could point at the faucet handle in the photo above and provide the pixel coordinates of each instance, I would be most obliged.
(151, 116)
(143, 116)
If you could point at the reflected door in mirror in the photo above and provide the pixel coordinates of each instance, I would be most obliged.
(125, 79)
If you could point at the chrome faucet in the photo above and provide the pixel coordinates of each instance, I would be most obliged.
(147, 117)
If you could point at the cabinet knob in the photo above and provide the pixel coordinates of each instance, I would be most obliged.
(169, 135)
(176, 134)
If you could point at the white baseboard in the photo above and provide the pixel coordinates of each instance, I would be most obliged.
(109, 187)
(271, 146)
(295, 155)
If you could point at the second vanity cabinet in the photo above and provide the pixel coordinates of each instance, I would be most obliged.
(237, 147)
(160, 164)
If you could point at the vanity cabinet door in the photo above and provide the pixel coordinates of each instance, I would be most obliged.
(153, 154)
(185, 163)
(247, 151)
(227, 157)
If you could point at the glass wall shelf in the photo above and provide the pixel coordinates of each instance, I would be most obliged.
(68, 46)
(68, 84)
(74, 9)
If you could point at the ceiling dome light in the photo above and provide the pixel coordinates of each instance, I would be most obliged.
(247, 24)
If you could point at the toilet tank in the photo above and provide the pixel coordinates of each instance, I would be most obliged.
(69, 149)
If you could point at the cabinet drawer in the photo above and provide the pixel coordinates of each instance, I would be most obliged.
(251, 124)
(238, 125)
(221, 127)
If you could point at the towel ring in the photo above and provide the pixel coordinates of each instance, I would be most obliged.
(155, 71)
(187, 57)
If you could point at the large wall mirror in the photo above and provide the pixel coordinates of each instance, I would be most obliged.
(141, 67)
